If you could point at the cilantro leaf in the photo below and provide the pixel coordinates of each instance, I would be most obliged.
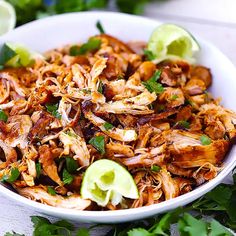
(149, 54)
(218, 230)
(100, 87)
(14, 175)
(155, 168)
(92, 45)
(183, 124)
(174, 97)
(51, 191)
(71, 165)
(3, 116)
(38, 169)
(190, 226)
(6, 53)
(39, 220)
(205, 140)
(163, 226)
(100, 27)
(82, 232)
(74, 50)
(65, 224)
(139, 232)
(53, 109)
(152, 85)
(67, 178)
(98, 142)
(108, 126)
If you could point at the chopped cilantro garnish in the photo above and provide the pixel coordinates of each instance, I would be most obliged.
(38, 169)
(155, 168)
(51, 191)
(92, 45)
(52, 109)
(3, 116)
(149, 54)
(108, 126)
(152, 85)
(15, 173)
(174, 97)
(100, 87)
(74, 50)
(205, 140)
(183, 123)
(71, 165)
(67, 178)
(100, 27)
(98, 142)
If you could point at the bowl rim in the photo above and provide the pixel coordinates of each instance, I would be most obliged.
(133, 213)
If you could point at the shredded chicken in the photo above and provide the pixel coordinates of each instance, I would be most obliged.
(64, 112)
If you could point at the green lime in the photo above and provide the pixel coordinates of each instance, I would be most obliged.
(105, 181)
(169, 41)
(7, 17)
(16, 55)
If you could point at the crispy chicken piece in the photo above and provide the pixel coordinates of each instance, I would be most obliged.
(146, 70)
(40, 128)
(115, 43)
(213, 114)
(175, 170)
(4, 90)
(145, 157)
(145, 132)
(14, 83)
(135, 105)
(118, 149)
(39, 193)
(124, 135)
(74, 143)
(202, 73)
(149, 186)
(18, 127)
(169, 186)
(10, 153)
(195, 87)
(188, 151)
(184, 185)
(48, 164)
(168, 77)
(172, 97)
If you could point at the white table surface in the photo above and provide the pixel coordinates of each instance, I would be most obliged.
(214, 20)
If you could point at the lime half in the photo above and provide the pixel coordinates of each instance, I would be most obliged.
(170, 41)
(107, 181)
(7, 17)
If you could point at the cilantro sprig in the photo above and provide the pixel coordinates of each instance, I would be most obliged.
(92, 45)
(152, 85)
(220, 203)
(98, 142)
(53, 109)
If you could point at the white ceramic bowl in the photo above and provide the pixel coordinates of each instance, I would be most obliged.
(58, 30)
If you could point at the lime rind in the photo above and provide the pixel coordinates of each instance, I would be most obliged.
(23, 57)
(105, 181)
(7, 17)
(169, 41)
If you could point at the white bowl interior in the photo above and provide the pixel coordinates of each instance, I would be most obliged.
(59, 30)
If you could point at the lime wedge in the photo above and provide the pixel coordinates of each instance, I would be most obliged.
(105, 181)
(16, 55)
(7, 17)
(170, 41)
